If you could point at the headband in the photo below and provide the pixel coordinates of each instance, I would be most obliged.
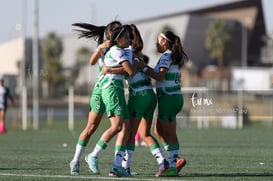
(122, 29)
(164, 36)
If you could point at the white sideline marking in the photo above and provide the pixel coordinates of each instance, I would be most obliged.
(81, 177)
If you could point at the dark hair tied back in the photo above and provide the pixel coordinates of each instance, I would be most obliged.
(90, 31)
(178, 54)
(171, 36)
(95, 32)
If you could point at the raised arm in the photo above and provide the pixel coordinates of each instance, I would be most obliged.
(96, 55)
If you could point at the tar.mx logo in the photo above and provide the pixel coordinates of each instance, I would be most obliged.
(200, 101)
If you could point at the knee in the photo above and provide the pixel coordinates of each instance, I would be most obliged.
(116, 128)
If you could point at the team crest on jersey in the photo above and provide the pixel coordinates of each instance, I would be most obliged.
(98, 106)
(120, 108)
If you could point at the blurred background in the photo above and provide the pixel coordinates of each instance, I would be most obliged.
(228, 81)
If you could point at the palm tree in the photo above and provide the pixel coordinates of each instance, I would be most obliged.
(217, 39)
(52, 49)
(83, 54)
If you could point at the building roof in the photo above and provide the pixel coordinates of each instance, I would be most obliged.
(248, 13)
(244, 11)
(251, 16)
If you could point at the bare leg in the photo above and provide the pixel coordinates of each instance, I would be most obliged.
(116, 126)
(92, 125)
(145, 132)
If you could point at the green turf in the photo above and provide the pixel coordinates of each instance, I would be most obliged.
(212, 154)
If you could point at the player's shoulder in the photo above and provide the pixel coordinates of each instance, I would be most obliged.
(115, 48)
(166, 55)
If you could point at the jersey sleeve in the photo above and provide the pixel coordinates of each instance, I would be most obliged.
(164, 61)
(120, 55)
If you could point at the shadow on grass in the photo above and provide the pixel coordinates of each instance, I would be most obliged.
(230, 175)
(25, 168)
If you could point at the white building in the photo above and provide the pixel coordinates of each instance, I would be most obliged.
(190, 26)
(10, 54)
(71, 44)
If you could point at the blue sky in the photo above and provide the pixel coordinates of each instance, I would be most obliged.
(58, 15)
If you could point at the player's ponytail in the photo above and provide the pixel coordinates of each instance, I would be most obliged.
(178, 54)
(90, 31)
(96, 32)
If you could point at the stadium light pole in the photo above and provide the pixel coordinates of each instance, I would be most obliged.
(71, 107)
(22, 69)
(244, 65)
(244, 46)
(35, 66)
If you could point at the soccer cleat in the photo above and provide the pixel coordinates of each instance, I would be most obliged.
(128, 171)
(113, 171)
(143, 144)
(180, 163)
(170, 172)
(92, 163)
(162, 168)
(74, 168)
(137, 143)
(118, 171)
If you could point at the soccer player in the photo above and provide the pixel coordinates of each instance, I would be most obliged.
(113, 95)
(167, 74)
(4, 96)
(97, 107)
(141, 104)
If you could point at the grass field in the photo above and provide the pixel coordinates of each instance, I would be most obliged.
(212, 154)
